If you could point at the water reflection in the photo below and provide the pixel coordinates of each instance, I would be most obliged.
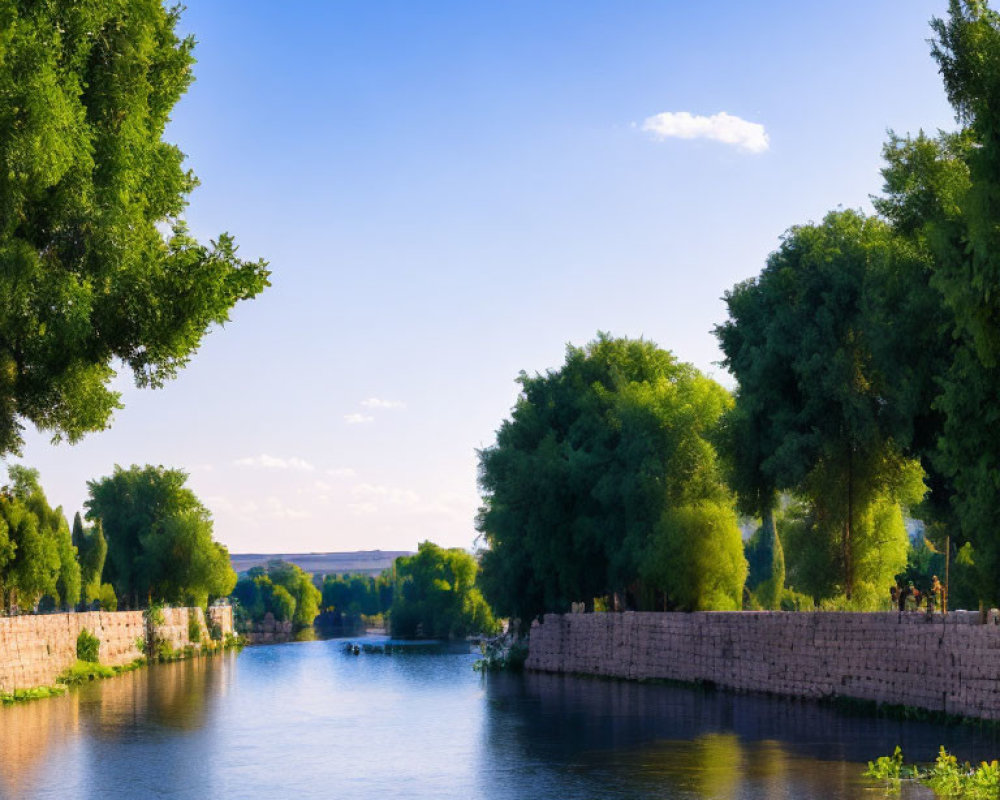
(627, 740)
(30, 733)
(308, 720)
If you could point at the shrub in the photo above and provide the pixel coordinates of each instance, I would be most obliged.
(194, 627)
(88, 647)
(107, 598)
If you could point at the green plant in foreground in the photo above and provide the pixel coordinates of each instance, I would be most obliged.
(88, 647)
(947, 777)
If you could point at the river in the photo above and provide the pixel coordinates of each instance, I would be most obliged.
(309, 720)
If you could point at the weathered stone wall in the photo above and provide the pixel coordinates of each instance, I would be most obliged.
(35, 649)
(949, 664)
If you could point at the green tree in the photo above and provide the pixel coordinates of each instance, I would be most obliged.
(437, 596)
(93, 550)
(282, 589)
(799, 341)
(595, 457)
(37, 557)
(943, 195)
(298, 583)
(159, 538)
(96, 265)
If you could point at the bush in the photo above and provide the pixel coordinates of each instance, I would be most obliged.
(107, 598)
(88, 647)
(194, 627)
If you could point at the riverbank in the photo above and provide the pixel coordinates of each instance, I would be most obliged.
(944, 665)
(36, 649)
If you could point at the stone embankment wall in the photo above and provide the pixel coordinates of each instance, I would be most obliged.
(949, 664)
(35, 649)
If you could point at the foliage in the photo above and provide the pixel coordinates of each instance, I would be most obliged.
(88, 647)
(38, 693)
(107, 598)
(282, 589)
(159, 538)
(705, 538)
(947, 777)
(95, 263)
(351, 597)
(37, 557)
(85, 670)
(93, 550)
(436, 595)
(194, 628)
(766, 564)
(589, 476)
(799, 340)
(502, 653)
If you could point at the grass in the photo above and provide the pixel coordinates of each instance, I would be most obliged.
(85, 671)
(23, 695)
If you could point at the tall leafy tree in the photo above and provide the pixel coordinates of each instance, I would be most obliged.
(604, 465)
(436, 595)
(37, 556)
(814, 417)
(943, 194)
(96, 265)
(93, 550)
(159, 538)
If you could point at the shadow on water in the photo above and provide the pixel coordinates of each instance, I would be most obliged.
(619, 739)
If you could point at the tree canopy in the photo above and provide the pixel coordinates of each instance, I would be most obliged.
(436, 595)
(605, 480)
(811, 413)
(37, 556)
(96, 265)
(159, 538)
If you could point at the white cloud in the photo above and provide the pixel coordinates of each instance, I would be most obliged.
(357, 419)
(264, 461)
(369, 491)
(721, 127)
(342, 472)
(378, 402)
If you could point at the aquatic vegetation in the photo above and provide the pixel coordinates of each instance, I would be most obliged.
(502, 652)
(946, 777)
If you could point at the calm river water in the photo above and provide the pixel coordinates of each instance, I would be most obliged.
(308, 720)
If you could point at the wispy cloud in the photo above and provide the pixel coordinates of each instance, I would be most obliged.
(264, 461)
(357, 419)
(721, 127)
(342, 472)
(378, 402)
(390, 494)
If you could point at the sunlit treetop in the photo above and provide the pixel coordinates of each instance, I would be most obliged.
(95, 262)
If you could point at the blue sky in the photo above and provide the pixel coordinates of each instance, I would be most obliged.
(448, 193)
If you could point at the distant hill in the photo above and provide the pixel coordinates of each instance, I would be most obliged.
(367, 562)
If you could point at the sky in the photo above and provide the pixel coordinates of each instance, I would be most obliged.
(448, 193)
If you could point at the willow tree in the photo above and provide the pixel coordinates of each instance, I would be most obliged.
(96, 266)
(605, 481)
(799, 341)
